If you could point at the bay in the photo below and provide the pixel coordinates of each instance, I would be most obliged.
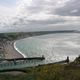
(54, 47)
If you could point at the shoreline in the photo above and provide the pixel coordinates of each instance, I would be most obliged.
(10, 49)
(14, 45)
(11, 52)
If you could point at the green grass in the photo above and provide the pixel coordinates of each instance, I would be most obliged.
(46, 72)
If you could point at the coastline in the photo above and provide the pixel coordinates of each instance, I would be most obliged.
(14, 45)
(8, 43)
(11, 52)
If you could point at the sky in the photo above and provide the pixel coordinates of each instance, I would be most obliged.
(7, 7)
(31, 15)
(7, 2)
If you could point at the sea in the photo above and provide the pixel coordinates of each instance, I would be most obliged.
(54, 47)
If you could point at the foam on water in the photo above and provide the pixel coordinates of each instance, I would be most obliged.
(19, 50)
(55, 47)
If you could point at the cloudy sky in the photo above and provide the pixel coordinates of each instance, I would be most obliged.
(30, 15)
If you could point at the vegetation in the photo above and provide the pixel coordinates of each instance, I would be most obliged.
(8, 36)
(16, 35)
(57, 71)
(46, 72)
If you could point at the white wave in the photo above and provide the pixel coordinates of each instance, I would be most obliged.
(19, 50)
(73, 44)
(53, 48)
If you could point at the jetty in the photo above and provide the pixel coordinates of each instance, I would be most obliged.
(17, 63)
(30, 58)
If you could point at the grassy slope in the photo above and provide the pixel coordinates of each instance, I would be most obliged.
(46, 72)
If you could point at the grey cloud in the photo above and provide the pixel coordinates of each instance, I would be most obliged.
(34, 24)
(40, 15)
(72, 8)
(40, 6)
(34, 9)
(37, 6)
(40, 22)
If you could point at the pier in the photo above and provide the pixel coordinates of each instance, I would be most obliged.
(31, 58)
(18, 63)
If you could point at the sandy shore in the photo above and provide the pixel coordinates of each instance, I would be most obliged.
(10, 51)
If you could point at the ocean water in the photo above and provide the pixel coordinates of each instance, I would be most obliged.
(55, 47)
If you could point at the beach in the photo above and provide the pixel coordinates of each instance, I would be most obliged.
(7, 45)
(8, 40)
(11, 52)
